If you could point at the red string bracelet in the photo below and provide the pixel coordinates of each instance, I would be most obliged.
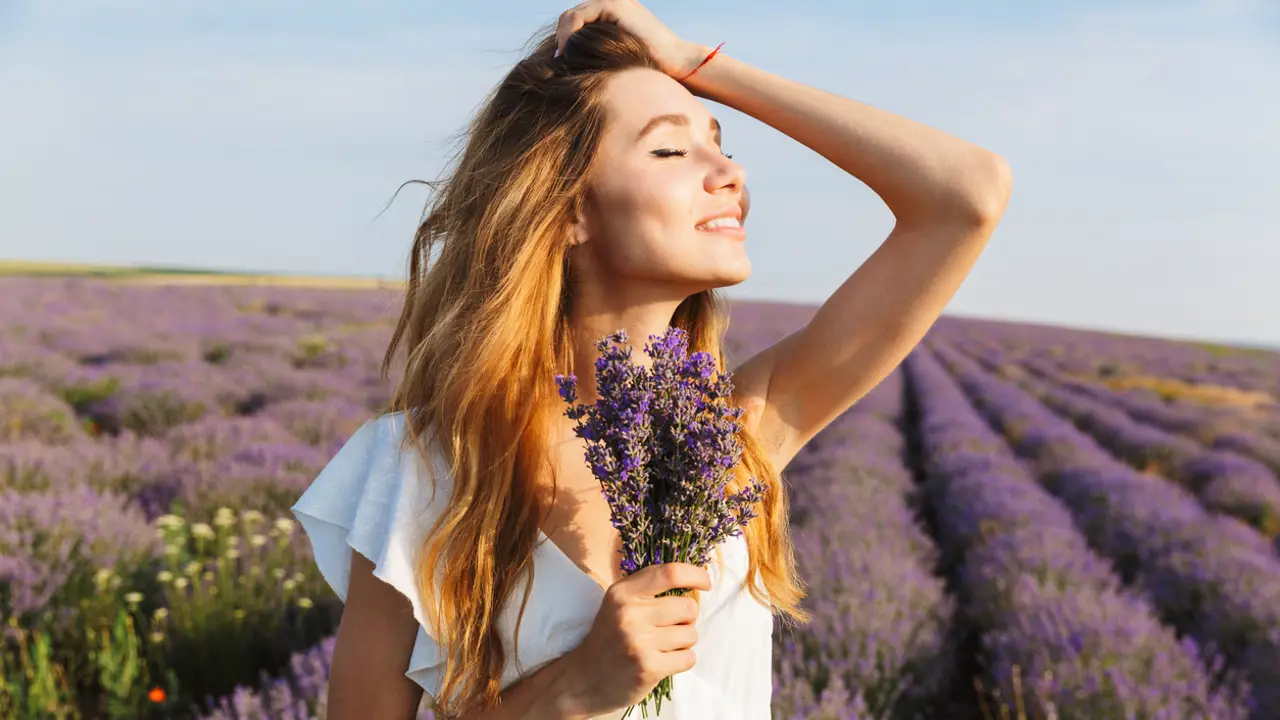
(704, 62)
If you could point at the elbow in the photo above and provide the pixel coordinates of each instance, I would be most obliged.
(972, 192)
(988, 186)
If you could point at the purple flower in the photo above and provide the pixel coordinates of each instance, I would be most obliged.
(662, 441)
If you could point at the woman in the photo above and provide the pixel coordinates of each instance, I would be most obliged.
(581, 205)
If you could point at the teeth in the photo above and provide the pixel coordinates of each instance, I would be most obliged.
(721, 222)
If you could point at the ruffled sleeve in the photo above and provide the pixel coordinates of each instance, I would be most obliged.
(369, 498)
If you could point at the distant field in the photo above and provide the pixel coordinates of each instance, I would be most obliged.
(1087, 522)
(185, 276)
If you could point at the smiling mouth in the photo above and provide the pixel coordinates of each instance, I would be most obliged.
(722, 226)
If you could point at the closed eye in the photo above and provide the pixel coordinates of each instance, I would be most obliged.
(668, 152)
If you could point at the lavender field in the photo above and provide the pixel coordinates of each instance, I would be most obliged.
(1021, 521)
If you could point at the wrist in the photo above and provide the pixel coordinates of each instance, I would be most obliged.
(571, 701)
(691, 57)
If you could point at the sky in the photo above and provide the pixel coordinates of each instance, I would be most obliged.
(1144, 139)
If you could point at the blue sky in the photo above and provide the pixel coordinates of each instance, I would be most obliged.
(270, 135)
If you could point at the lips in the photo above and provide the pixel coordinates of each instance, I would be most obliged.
(733, 211)
(728, 224)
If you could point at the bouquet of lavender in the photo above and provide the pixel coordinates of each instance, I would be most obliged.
(663, 442)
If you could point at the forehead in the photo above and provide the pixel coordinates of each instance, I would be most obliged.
(635, 97)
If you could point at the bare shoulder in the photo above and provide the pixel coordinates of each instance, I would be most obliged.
(372, 650)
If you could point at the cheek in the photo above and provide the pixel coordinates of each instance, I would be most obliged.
(648, 217)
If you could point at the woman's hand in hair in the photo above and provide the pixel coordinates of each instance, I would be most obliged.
(675, 56)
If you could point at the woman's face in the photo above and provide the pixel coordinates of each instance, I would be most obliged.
(649, 193)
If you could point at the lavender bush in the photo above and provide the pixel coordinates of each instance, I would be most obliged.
(1040, 601)
(880, 644)
(28, 411)
(1221, 592)
(1225, 482)
(300, 693)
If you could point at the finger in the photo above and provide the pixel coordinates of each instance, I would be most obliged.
(666, 576)
(584, 13)
(677, 661)
(676, 637)
(571, 21)
(563, 30)
(675, 610)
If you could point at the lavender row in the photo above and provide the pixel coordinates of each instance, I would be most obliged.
(1224, 428)
(299, 693)
(1221, 429)
(1042, 603)
(1224, 482)
(880, 642)
(262, 461)
(1208, 579)
(1204, 422)
(1093, 352)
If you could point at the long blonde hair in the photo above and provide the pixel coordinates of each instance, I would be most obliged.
(484, 328)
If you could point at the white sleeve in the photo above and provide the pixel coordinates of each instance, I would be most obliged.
(369, 498)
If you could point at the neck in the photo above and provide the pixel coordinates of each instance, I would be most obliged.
(595, 317)
(639, 323)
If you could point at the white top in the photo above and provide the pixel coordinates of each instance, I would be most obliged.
(372, 497)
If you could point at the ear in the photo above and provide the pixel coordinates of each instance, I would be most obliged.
(578, 225)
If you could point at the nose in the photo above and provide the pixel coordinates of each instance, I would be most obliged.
(726, 173)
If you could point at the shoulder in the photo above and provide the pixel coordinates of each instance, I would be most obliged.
(375, 478)
(381, 444)
(383, 433)
(370, 456)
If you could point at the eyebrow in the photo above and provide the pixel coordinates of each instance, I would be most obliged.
(676, 119)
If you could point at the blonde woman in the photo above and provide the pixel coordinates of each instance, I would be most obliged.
(463, 529)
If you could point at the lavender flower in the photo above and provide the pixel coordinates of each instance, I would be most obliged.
(662, 441)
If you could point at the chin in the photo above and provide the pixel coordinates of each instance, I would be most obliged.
(734, 277)
(719, 273)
